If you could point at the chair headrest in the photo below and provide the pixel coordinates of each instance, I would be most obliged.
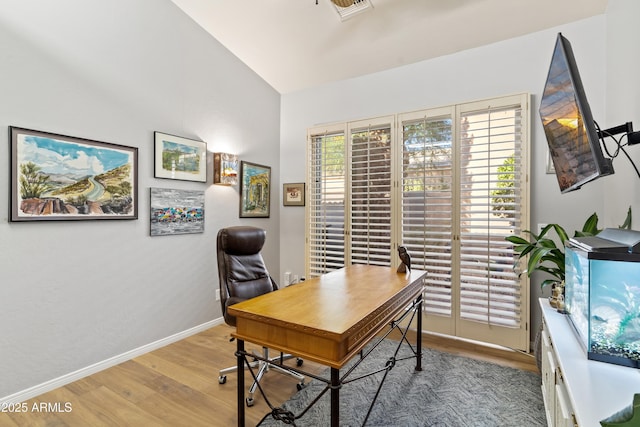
(241, 240)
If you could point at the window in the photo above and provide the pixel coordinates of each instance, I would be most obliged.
(447, 183)
(427, 201)
(327, 194)
(370, 197)
(493, 303)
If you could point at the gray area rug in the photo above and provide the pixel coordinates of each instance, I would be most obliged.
(450, 391)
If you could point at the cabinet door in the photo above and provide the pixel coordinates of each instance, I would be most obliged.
(548, 374)
(563, 411)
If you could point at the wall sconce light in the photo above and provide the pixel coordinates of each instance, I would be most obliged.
(225, 169)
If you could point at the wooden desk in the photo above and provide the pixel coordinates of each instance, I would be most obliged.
(328, 319)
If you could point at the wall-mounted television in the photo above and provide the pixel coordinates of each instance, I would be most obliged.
(572, 134)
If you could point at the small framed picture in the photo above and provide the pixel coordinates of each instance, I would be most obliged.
(293, 194)
(255, 190)
(550, 167)
(180, 158)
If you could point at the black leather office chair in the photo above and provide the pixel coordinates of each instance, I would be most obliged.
(243, 275)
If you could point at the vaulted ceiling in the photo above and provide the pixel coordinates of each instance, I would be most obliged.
(296, 44)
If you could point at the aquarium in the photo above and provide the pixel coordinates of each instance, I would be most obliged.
(602, 300)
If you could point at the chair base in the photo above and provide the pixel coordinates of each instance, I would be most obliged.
(263, 367)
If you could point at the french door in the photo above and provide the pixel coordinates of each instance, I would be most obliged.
(350, 196)
(449, 184)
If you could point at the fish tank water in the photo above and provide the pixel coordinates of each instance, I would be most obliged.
(602, 300)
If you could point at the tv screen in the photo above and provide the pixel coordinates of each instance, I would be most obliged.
(571, 133)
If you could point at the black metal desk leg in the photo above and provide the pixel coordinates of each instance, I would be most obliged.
(419, 336)
(240, 359)
(335, 397)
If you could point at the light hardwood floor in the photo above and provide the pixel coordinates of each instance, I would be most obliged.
(177, 385)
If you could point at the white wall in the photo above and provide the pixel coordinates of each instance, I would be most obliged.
(73, 294)
(513, 66)
(623, 104)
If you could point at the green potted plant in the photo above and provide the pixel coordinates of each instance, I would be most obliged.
(545, 255)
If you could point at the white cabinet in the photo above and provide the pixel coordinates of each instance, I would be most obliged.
(577, 391)
(554, 390)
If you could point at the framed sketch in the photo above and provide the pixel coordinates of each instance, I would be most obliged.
(550, 167)
(293, 194)
(180, 158)
(58, 177)
(255, 190)
(176, 212)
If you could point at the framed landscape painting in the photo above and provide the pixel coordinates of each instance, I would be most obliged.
(58, 177)
(255, 190)
(180, 158)
(176, 211)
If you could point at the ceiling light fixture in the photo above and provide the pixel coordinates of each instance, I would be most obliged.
(348, 8)
(343, 3)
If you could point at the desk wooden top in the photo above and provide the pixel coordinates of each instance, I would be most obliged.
(327, 319)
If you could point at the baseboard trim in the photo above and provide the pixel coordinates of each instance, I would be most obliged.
(39, 389)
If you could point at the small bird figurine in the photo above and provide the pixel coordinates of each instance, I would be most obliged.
(405, 258)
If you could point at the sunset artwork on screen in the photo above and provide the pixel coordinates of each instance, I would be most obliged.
(571, 132)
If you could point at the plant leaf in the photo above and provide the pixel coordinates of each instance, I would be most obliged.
(536, 259)
(523, 250)
(590, 227)
(517, 240)
(547, 243)
(561, 233)
(627, 222)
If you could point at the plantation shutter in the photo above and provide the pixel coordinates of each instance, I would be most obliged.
(491, 198)
(326, 212)
(449, 184)
(427, 203)
(370, 201)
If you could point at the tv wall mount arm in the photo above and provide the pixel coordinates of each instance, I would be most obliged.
(632, 137)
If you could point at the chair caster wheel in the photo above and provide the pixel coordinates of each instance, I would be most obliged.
(300, 386)
(222, 379)
(299, 362)
(249, 401)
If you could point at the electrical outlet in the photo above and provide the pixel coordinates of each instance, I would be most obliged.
(217, 294)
